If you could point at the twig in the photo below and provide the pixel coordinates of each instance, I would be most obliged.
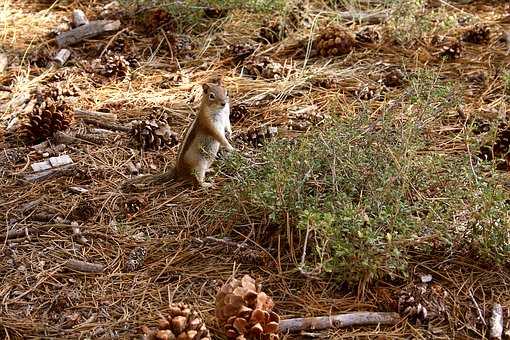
(51, 173)
(86, 267)
(90, 30)
(496, 322)
(64, 138)
(226, 242)
(341, 320)
(106, 125)
(480, 315)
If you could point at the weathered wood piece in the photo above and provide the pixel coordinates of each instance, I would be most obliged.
(341, 320)
(4, 61)
(79, 18)
(62, 56)
(90, 30)
(496, 322)
(86, 267)
(365, 17)
(67, 170)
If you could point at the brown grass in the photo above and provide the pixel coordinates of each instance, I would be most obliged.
(40, 298)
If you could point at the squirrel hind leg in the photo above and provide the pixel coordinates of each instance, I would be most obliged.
(199, 175)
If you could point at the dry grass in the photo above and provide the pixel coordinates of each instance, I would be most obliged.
(40, 298)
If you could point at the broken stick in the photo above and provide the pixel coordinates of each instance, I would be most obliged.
(86, 267)
(79, 18)
(364, 17)
(341, 320)
(62, 56)
(90, 30)
(85, 114)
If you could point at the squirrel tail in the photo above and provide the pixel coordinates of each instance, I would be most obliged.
(145, 182)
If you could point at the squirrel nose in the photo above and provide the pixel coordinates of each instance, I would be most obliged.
(222, 103)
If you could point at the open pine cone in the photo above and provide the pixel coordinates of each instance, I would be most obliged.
(368, 35)
(265, 67)
(334, 41)
(258, 137)
(114, 65)
(50, 113)
(272, 31)
(477, 34)
(154, 134)
(245, 311)
(238, 112)
(181, 323)
(449, 48)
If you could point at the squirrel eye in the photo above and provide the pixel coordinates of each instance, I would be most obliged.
(211, 96)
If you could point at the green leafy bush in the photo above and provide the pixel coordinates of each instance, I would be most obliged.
(367, 194)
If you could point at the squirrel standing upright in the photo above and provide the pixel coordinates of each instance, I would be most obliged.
(201, 143)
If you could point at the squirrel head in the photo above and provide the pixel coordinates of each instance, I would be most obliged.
(215, 95)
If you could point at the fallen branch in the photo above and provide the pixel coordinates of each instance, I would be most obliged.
(85, 114)
(106, 125)
(67, 170)
(24, 232)
(363, 17)
(64, 138)
(496, 322)
(86, 267)
(341, 320)
(90, 30)
(62, 56)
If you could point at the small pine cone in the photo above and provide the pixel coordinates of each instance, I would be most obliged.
(449, 48)
(156, 19)
(477, 34)
(272, 31)
(334, 41)
(393, 78)
(367, 93)
(85, 210)
(215, 12)
(135, 259)
(241, 51)
(368, 35)
(112, 65)
(245, 311)
(181, 323)
(154, 134)
(409, 304)
(238, 112)
(134, 204)
(181, 44)
(258, 137)
(265, 67)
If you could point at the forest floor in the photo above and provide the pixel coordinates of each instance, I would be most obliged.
(145, 71)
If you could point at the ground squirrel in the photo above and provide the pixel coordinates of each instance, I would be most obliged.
(201, 143)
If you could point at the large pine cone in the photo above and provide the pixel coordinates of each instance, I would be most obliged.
(182, 323)
(245, 311)
(50, 113)
(334, 41)
(154, 134)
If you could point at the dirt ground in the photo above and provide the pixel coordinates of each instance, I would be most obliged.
(158, 75)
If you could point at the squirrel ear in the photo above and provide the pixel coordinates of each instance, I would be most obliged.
(205, 87)
(220, 80)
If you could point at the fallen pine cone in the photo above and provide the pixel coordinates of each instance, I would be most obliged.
(181, 323)
(245, 311)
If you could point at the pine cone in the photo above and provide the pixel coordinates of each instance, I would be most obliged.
(238, 112)
(241, 51)
(265, 67)
(393, 78)
(477, 34)
(215, 12)
(367, 92)
(182, 323)
(135, 259)
(245, 311)
(181, 44)
(334, 41)
(85, 210)
(154, 134)
(50, 113)
(500, 148)
(134, 204)
(112, 65)
(258, 137)
(449, 48)
(302, 119)
(272, 31)
(156, 19)
(368, 35)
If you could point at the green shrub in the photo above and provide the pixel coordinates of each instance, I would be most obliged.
(368, 195)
